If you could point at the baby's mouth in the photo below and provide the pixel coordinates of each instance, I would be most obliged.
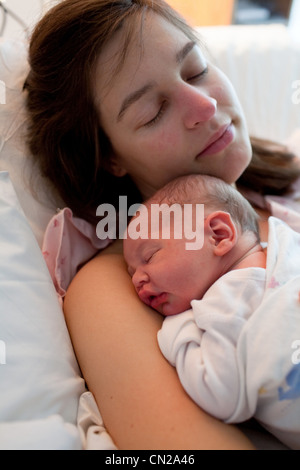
(155, 301)
(151, 298)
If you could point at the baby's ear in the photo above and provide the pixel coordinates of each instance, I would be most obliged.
(222, 232)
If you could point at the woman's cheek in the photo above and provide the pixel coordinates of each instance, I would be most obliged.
(221, 88)
(220, 93)
(167, 140)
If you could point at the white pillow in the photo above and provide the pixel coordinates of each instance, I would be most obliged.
(45, 434)
(37, 199)
(39, 375)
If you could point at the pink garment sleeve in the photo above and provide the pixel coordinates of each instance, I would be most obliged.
(286, 208)
(68, 243)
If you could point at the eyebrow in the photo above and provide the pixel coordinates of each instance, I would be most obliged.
(181, 55)
(133, 97)
(138, 94)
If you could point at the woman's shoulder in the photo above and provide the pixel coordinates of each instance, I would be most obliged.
(116, 247)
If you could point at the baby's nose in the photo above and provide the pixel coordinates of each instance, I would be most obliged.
(140, 278)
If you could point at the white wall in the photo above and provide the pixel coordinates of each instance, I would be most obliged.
(29, 11)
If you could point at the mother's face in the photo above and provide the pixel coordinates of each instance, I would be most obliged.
(168, 112)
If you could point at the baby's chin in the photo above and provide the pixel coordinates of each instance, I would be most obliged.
(173, 308)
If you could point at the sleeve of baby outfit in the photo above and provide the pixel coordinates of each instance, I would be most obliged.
(205, 363)
(201, 344)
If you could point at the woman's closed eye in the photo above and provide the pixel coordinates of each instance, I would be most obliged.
(158, 115)
(194, 78)
(198, 76)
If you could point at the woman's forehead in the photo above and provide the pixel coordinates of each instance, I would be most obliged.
(126, 53)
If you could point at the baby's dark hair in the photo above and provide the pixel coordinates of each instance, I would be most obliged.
(214, 193)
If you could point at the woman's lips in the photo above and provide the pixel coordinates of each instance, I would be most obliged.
(219, 141)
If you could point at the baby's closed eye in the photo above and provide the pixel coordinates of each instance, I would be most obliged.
(148, 255)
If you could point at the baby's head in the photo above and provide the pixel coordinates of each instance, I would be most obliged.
(167, 269)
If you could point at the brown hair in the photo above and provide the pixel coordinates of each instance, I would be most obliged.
(64, 135)
(272, 170)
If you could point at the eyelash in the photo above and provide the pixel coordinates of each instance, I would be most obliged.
(199, 75)
(158, 115)
(148, 258)
(164, 104)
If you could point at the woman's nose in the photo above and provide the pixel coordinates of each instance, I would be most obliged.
(199, 107)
